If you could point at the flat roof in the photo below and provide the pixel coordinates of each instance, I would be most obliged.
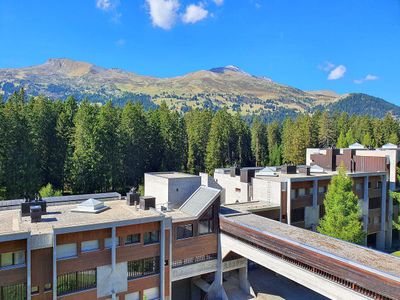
(173, 175)
(336, 248)
(280, 177)
(62, 216)
(252, 206)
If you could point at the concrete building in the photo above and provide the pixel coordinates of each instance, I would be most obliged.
(295, 195)
(115, 248)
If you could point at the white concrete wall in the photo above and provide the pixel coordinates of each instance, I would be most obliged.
(175, 190)
(108, 281)
(156, 186)
(180, 189)
(266, 190)
(233, 190)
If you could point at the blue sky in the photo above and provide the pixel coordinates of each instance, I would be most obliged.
(340, 45)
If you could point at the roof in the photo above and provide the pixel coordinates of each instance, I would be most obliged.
(252, 206)
(356, 146)
(389, 146)
(199, 201)
(339, 249)
(173, 175)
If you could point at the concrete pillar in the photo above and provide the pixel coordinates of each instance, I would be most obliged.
(216, 291)
(380, 239)
(162, 260)
(365, 208)
(113, 256)
(54, 266)
(28, 268)
(244, 283)
(389, 225)
(288, 202)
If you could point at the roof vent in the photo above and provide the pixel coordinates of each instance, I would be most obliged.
(36, 213)
(356, 146)
(91, 206)
(389, 146)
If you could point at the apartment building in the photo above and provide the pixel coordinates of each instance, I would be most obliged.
(113, 248)
(295, 195)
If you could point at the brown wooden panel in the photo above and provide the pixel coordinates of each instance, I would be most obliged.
(144, 283)
(301, 184)
(42, 267)
(192, 247)
(137, 251)
(77, 237)
(301, 201)
(363, 278)
(11, 276)
(84, 261)
(12, 246)
(138, 228)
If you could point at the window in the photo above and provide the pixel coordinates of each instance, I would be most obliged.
(238, 190)
(151, 237)
(359, 186)
(302, 192)
(292, 194)
(66, 251)
(47, 287)
(143, 267)
(108, 242)
(132, 296)
(76, 281)
(374, 203)
(132, 239)
(13, 292)
(151, 294)
(12, 258)
(322, 189)
(310, 191)
(298, 215)
(206, 226)
(35, 290)
(184, 231)
(87, 246)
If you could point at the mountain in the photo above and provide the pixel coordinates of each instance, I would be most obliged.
(215, 88)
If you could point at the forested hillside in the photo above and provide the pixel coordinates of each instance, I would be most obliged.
(85, 147)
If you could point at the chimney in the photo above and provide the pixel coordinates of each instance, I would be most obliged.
(132, 197)
(36, 213)
(146, 202)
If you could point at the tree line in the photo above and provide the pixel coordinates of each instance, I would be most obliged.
(81, 147)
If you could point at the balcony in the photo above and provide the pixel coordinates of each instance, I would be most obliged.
(374, 193)
(302, 201)
(374, 220)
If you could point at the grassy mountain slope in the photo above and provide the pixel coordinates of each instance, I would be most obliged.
(219, 87)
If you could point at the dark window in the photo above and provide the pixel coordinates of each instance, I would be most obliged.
(374, 203)
(206, 226)
(151, 237)
(143, 267)
(35, 290)
(47, 287)
(298, 215)
(13, 292)
(321, 211)
(237, 190)
(184, 231)
(76, 281)
(132, 239)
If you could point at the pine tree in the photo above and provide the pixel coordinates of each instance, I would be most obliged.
(240, 141)
(341, 142)
(273, 142)
(3, 129)
(326, 135)
(349, 137)
(198, 124)
(367, 140)
(259, 142)
(135, 143)
(107, 144)
(396, 196)
(393, 138)
(218, 146)
(342, 210)
(86, 174)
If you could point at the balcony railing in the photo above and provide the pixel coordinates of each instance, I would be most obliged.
(193, 260)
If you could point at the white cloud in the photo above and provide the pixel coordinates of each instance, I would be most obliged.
(219, 2)
(163, 13)
(194, 13)
(369, 77)
(104, 4)
(326, 66)
(337, 73)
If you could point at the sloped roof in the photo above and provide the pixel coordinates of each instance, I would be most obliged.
(199, 201)
(267, 171)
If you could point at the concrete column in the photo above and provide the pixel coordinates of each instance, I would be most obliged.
(244, 283)
(315, 194)
(380, 239)
(54, 266)
(162, 260)
(113, 256)
(288, 202)
(365, 208)
(389, 225)
(28, 268)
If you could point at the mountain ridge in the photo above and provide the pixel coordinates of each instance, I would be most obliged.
(218, 87)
